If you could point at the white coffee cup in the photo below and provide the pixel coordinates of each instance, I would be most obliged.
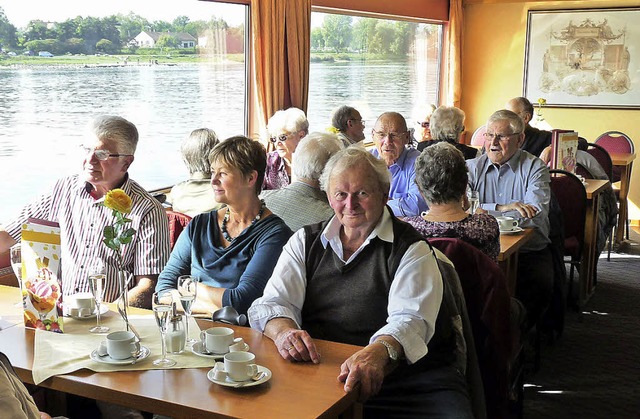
(238, 345)
(507, 223)
(240, 366)
(83, 301)
(217, 339)
(122, 344)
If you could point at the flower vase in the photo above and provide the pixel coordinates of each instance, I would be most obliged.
(123, 302)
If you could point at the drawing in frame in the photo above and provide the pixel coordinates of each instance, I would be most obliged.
(583, 58)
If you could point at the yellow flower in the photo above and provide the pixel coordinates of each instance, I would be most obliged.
(118, 200)
(333, 130)
(542, 101)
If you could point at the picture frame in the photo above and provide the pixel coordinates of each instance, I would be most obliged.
(583, 58)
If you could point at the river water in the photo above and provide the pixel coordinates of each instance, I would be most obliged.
(43, 113)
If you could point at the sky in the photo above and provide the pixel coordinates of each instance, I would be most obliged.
(20, 12)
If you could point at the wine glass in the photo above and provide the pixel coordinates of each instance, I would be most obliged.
(96, 284)
(16, 264)
(162, 308)
(188, 289)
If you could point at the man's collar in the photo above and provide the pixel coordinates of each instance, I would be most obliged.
(401, 159)
(87, 187)
(512, 163)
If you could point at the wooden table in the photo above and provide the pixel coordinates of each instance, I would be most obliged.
(297, 390)
(594, 188)
(510, 244)
(625, 162)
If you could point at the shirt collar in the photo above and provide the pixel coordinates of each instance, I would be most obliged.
(512, 163)
(401, 159)
(85, 187)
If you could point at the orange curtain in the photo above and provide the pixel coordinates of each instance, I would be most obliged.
(454, 54)
(281, 40)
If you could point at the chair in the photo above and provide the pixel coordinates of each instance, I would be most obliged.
(177, 222)
(488, 306)
(572, 197)
(477, 139)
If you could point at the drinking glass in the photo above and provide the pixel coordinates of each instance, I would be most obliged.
(162, 309)
(96, 284)
(474, 200)
(188, 289)
(16, 264)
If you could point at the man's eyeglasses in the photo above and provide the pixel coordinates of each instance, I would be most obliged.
(361, 121)
(500, 137)
(393, 136)
(424, 124)
(101, 155)
(282, 138)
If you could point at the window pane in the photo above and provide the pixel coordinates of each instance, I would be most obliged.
(374, 65)
(168, 67)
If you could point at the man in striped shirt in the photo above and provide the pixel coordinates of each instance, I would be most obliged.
(75, 203)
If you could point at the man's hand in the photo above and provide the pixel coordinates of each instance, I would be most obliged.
(525, 210)
(366, 368)
(296, 345)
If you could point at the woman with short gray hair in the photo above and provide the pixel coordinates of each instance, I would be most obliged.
(447, 124)
(441, 176)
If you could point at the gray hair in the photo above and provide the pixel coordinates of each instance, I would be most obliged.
(515, 122)
(118, 130)
(195, 149)
(524, 103)
(290, 120)
(313, 153)
(441, 174)
(341, 117)
(352, 156)
(447, 123)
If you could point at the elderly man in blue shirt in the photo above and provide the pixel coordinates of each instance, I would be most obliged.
(390, 135)
(515, 183)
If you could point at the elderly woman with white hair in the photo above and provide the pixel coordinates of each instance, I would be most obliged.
(286, 128)
(447, 124)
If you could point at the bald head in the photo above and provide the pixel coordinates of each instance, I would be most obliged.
(522, 107)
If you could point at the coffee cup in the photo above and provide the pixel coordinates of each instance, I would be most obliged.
(122, 344)
(82, 304)
(238, 345)
(240, 366)
(217, 339)
(507, 223)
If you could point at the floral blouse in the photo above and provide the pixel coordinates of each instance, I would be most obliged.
(480, 230)
(275, 176)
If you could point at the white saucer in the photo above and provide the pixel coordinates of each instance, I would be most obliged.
(197, 348)
(144, 353)
(228, 382)
(104, 309)
(512, 231)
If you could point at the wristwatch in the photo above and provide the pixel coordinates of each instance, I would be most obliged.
(393, 354)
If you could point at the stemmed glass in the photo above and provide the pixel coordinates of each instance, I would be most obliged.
(16, 264)
(96, 284)
(188, 289)
(162, 308)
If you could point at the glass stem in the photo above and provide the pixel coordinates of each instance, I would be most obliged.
(164, 347)
(186, 328)
(97, 314)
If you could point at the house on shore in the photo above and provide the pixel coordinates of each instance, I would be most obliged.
(148, 39)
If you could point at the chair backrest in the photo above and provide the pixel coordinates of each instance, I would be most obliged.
(603, 158)
(477, 139)
(572, 197)
(488, 306)
(616, 142)
(177, 222)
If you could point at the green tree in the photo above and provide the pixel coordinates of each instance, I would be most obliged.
(404, 37)
(161, 26)
(167, 41)
(76, 46)
(8, 37)
(179, 23)
(382, 38)
(52, 45)
(336, 30)
(317, 39)
(131, 25)
(107, 47)
(363, 31)
(37, 30)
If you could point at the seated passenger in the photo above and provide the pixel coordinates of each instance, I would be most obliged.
(232, 250)
(368, 279)
(441, 175)
(303, 202)
(391, 136)
(447, 124)
(75, 202)
(195, 195)
(349, 124)
(423, 123)
(286, 129)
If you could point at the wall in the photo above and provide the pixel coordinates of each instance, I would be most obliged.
(493, 66)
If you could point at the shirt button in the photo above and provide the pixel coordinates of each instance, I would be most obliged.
(81, 266)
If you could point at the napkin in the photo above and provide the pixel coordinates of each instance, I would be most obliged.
(56, 354)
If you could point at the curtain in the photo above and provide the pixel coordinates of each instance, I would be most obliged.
(454, 54)
(281, 40)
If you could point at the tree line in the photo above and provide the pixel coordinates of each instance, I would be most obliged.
(112, 34)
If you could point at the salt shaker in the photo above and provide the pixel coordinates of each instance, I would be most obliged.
(175, 337)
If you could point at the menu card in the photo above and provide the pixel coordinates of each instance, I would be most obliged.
(564, 145)
(41, 287)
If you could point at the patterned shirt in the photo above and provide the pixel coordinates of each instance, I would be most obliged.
(275, 176)
(313, 200)
(82, 219)
(479, 230)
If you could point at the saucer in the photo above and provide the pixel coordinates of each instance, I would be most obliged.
(514, 230)
(144, 353)
(228, 382)
(197, 348)
(104, 309)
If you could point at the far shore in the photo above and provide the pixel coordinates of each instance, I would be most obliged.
(98, 61)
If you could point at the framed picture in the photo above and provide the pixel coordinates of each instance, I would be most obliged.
(587, 58)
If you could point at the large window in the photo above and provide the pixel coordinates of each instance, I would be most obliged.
(374, 65)
(169, 67)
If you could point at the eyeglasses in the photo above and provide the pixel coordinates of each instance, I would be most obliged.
(282, 138)
(101, 155)
(357, 120)
(393, 136)
(499, 137)
(424, 124)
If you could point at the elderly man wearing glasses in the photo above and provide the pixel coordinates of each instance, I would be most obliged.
(76, 204)
(349, 124)
(286, 128)
(515, 183)
(390, 135)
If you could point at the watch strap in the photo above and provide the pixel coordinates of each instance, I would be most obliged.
(393, 354)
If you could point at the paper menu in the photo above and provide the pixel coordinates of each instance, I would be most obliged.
(564, 145)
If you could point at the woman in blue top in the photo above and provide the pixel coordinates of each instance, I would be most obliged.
(232, 250)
